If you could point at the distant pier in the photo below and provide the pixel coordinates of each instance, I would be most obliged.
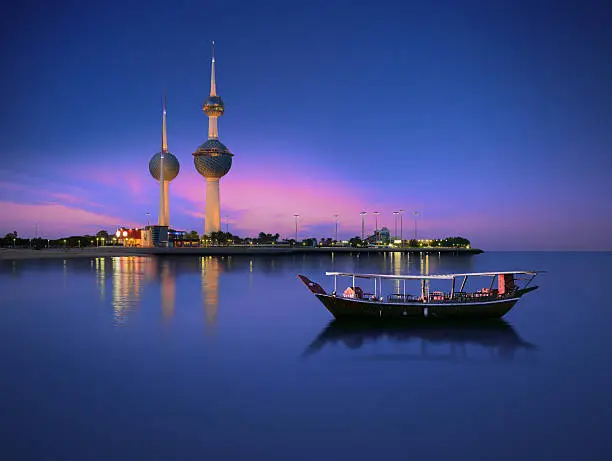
(234, 250)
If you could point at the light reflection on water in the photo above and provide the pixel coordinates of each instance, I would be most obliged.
(127, 277)
(211, 268)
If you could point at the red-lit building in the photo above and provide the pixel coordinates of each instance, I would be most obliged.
(129, 237)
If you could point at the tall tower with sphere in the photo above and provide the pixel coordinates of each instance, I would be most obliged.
(212, 159)
(164, 167)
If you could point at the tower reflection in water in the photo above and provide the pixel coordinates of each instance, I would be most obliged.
(433, 340)
(128, 275)
(168, 289)
(131, 274)
(210, 269)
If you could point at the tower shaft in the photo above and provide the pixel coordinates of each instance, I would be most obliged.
(164, 202)
(213, 131)
(213, 207)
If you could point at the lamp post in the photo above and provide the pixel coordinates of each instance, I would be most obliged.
(416, 214)
(395, 213)
(296, 216)
(401, 212)
(363, 213)
(226, 224)
(336, 233)
(376, 213)
(148, 215)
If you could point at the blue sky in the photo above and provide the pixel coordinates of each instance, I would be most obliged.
(490, 118)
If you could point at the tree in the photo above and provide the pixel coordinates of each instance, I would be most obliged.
(356, 241)
(413, 243)
(264, 238)
(193, 235)
(456, 242)
(103, 234)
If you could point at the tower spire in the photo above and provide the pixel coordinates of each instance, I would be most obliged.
(213, 84)
(163, 187)
(164, 144)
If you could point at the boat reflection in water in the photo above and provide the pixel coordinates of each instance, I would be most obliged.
(491, 340)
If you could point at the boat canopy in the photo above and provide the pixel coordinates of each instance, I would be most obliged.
(428, 277)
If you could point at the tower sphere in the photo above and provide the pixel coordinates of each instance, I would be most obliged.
(212, 159)
(213, 106)
(171, 166)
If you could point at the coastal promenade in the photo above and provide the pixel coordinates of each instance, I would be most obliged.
(251, 250)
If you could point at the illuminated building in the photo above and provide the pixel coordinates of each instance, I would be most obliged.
(164, 167)
(212, 159)
(129, 237)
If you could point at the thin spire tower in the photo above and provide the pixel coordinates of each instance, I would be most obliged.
(164, 167)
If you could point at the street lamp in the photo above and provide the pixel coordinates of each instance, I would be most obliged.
(363, 213)
(226, 224)
(416, 214)
(296, 216)
(336, 233)
(395, 213)
(376, 213)
(148, 214)
(402, 225)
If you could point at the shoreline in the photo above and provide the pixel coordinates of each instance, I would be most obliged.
(10, 254)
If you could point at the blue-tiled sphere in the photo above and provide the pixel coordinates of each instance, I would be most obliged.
(212, 159)
(171, 166)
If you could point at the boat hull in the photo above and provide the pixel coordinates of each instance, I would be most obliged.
(348, 308)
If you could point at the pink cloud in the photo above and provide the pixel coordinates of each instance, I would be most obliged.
(265, 201)
(126, 177)
(53, 220)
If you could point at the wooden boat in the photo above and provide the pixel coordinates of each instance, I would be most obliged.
(484, 303)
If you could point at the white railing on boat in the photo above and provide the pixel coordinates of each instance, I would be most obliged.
(439, 296)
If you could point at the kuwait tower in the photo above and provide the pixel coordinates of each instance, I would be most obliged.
(212, 159)
(164, 167)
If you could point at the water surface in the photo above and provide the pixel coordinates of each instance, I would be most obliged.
(232, 358)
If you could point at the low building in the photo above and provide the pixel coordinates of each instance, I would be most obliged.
(129, 237)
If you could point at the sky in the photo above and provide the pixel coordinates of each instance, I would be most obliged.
(493, 120)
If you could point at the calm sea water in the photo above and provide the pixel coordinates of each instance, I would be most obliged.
(232, 358)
